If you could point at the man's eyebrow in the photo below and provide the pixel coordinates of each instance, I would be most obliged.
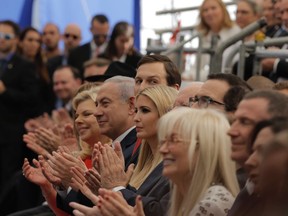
(154, 76)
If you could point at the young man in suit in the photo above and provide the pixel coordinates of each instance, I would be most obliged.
(156, 70)
(99, 29)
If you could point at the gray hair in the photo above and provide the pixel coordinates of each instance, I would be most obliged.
(277, 102)
(125, 85)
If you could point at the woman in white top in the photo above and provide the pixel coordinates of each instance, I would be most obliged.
(196, 158)
(214, 20)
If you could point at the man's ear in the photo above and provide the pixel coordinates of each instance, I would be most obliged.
(131, 103)
(176, 86)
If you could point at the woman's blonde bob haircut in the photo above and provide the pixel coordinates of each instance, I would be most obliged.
(87, 91)
(204, 28)
(206, 130)
(163, 97)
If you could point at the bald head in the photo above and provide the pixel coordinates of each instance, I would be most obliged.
(72, 36)
(51, 36)
(187, 92)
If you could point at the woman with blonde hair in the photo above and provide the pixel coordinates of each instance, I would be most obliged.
(147, 180)
(196, 158)
(214, 21)
(84, 101)
(62, 161)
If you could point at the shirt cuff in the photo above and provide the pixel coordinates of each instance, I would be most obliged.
(118, 188)
(275, 65)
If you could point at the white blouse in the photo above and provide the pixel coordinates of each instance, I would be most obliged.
(216, 202)
(224, 34)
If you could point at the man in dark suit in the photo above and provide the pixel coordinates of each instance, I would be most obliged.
(71, 38)
(115, 113)
(99, 29)
(17, 92)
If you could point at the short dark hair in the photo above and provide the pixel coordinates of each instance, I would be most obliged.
(276, 125)
(75, 72)
(277, 102)
(173, 76)
(230, 79)
(233, 97)
(100, 18)
(13, 25)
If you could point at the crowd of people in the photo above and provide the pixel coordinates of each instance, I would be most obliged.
(216, 26)
(100, 129)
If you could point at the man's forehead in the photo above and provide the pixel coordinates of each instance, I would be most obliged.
(151, 69)
(108, 90)
(256, 109)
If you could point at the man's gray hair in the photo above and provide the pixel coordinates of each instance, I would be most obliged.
(277, 102)
(125, 85)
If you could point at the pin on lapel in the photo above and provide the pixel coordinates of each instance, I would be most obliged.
(10, 66)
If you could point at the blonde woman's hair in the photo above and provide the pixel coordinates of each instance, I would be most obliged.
(205, 131)
(203, 26)
(163, 98)
(88, 92)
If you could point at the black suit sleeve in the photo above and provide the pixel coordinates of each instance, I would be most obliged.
(155, 202)
(24, 91)
(282, 69)
(72, 196)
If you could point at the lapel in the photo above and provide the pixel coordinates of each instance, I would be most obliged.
(127, 145)
(129, 139)
(151, 181)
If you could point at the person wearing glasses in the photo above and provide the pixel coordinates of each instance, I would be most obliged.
(212, 92)
(99, 30)
(121, 45)
(201, 173)
(71, 38)
(17, 95)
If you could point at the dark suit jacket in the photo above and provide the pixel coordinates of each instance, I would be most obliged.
(155, 192)
(245, 204)
(127, 145)
(79, 55)
(281, 70)
(53, 63)
(20, 82)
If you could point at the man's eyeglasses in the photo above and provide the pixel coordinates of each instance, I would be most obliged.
(67, 35)
(203, 101)
(6, 36)
(97, 36)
